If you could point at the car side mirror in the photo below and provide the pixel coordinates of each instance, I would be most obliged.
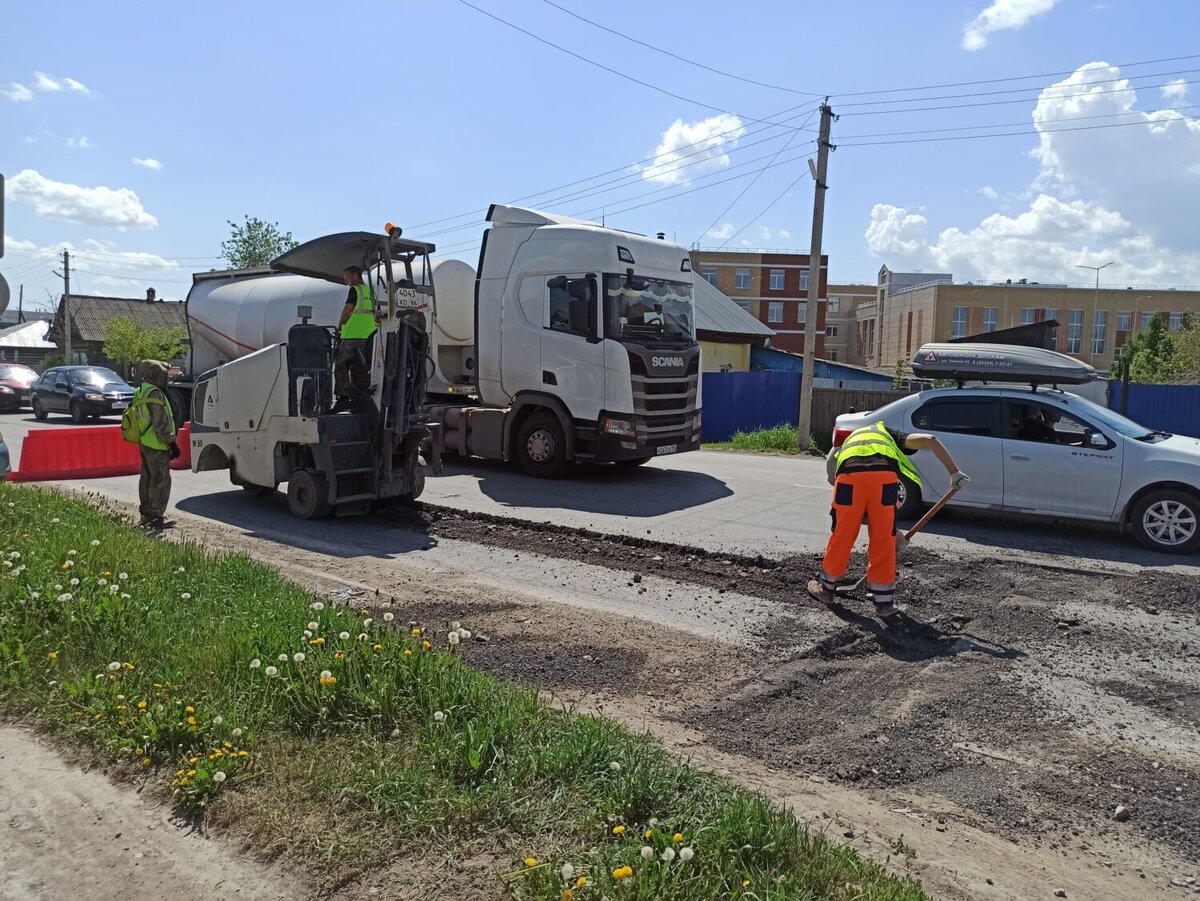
(1096, 440)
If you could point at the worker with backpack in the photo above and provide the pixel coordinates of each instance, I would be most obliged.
(150, 424)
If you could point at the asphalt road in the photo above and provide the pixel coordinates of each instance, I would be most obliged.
(748, 504)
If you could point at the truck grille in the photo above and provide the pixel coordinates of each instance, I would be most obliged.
(665, 404)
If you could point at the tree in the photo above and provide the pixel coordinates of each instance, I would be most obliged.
(1149, 356)
(127, 342)
(255, 243)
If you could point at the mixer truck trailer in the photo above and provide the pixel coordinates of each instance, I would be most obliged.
(571, 343)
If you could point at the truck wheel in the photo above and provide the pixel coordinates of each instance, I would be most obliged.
(39, 412)
(908, 499)
(542, 447)
(77, 414)
(1168, 521)
(308, 495)
(259, 490)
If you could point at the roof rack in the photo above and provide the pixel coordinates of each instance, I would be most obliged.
(999, 363)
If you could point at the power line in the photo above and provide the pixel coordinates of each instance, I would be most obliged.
(1005, 134)
(767, 209)
(682, 59)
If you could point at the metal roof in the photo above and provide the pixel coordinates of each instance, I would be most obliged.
(91, 314)
(27, 334)
(717, 313)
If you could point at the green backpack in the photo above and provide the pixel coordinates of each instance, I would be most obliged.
(132, 429)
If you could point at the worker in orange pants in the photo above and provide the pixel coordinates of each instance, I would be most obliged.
(866, 483)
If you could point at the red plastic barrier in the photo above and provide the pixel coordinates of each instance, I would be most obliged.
(98, 452)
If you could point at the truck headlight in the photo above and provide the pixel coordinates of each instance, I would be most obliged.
(4, 389)
(623, 427)
(93, 397)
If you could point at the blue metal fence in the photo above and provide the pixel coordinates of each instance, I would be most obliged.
(748, 401)
(1169, 408)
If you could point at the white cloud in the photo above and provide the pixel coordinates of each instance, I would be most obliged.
(785, 234)
(691, 149)
(79, 142)
(77, 86)
(44, 82)
(147, 162)
(29, 139)
(73, 203)
(1125, 193)
(17, 92)
(1002, 15)
(989, 192)
(722, 232)
(1175, 91)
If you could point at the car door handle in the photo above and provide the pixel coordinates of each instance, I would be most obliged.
(1018, 457)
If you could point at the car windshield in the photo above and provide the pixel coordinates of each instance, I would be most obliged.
(98, 376)
(16, 372)
(648, 309)
(1114, 421)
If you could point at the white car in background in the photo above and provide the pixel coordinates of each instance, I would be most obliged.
(1039, 450)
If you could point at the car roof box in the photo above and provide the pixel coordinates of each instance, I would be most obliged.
(999, 363)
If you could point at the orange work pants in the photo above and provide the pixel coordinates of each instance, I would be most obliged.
(859, 495)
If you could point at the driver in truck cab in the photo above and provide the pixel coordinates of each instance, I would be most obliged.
(356, 326)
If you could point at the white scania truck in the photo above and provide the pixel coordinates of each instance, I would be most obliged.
(572, 343)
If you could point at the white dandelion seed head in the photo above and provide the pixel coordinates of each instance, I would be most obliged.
(99, 675)
(56, 519)
(367, 622)
(122, 576)
(181, 570)
(343, 635)
(74, 582)
(8, 563)
(317, 605)
(396, 733)
(255, 663)
(313, 626)
(219, 776)
(125, 596)
(113, 589)
(456, 625)
(452, 638)
(567, 872)
(237, 733)
(217, 720)
(464, 634)
(120, 697)
(72, 552)
(668, 855)
(615, 766)
(326, 674)
(102, 582)
(95, 542)
(647, 852)
(70, 564)
(686, 854)
(35, 594)
(438, 716)
(187, 596)
(283, 658)
(308, 633)
(298, 657)
(388, 617)
(271, 671)
(58, 588)
(362, 636)
(114, 666)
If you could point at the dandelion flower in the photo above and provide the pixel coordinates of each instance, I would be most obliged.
(396, 733)
(298, 657)
(618, 829)
(102, 582)
(362, 636)
(325, 674)
(327, 681)
(283, 658)
(567, 872)
(317, 642)
(141, 705)
(581, 882)
(308, 633)
(676, 838)
(191, 721)
(187, 596)
(114, 666)
(95, 542)
(439, 716)
(416, 632)
(452, 638)
(426, 645)
(189, 709)
(237, 733)
(123, 576)
(568, 895)
(388, 617)
(113, 589)
(69, 564)
(623, 872)
(219, 776)
(74, 582)
(456, 625)
(313, 626)
(648, 833)
(255, 663)
(317, 605)
(668, 855)
(376, 647)
(367, 622)
(72, 552)
(531, 861)
(745, 883)
(53, 655)
(271, 671)
(125, 596)
(408, 652)
(464, 634)
(614, 766)
(344, 636)
(65, 596)
(782, 880)
(146, 761)
(686, 854)
(647, 852)
(217, 720)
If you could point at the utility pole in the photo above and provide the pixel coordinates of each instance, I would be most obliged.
(814, 275)
(66, 305)
(20, 304)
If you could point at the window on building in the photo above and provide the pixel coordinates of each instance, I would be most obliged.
(802, 312)
(991, 316)
(1124, 321)
(831, 331)
(1027, 314)
(831, 353)
(710, 276)
(776, 279)
(775, 311)
(742, 278)
(1051, 313)
(1074, 331)
(958, 325)
(1175, 321)
(744, 304)
(834, 305)
(1145, 321)
(803, 281)
(1099, 332)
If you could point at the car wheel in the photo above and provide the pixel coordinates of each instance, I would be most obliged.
(908, 499)
(1167, 520)
(38, 411)
(77, 414)
(308, 495)
(542, 447)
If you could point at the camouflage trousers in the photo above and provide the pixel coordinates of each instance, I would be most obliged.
(154, 486)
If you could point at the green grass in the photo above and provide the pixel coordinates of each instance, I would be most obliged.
(146, 665)
(781, 439)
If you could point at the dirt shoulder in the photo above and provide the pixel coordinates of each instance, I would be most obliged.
(70, 833)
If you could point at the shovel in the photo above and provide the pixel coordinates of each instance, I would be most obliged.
(904, 538)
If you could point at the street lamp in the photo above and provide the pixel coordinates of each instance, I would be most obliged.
(1095, 296)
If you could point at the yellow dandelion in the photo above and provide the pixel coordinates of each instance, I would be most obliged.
(193, 759)
(408, 652)
(141, 705)
(317, 641)
(376, 647)
(783, 880)
(189, 709)
(416, 632)
(648, 833)
(146, 761)
(531, 861)
(745, 883)
(191, 721)
(426, 645)
(617, 830)
(677, 837)
(567, 895)
(138, 752)
(581, 882)
(329, 680)
(191, 773)
(339, 656)
(127, 665)
(243, 753)
(622, 872)
(53, 655)
(226, 744)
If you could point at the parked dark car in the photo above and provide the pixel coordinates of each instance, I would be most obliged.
(15, 380)
(81, 391)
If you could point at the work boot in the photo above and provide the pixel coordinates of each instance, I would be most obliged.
(817, 589)
(887, 611)
(153, 523)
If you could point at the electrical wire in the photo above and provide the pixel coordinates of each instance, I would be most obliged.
(1006, 134)
(768, 207)
(676, 56)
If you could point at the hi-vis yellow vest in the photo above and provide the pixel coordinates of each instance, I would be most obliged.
(135, 423)
(874, 441)
(361, 323)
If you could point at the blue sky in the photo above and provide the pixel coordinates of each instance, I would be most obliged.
(328, 117)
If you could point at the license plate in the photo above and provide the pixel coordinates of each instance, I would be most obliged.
(120, 405)
(666, 449)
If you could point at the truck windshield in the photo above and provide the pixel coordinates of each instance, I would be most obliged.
(643, 309)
